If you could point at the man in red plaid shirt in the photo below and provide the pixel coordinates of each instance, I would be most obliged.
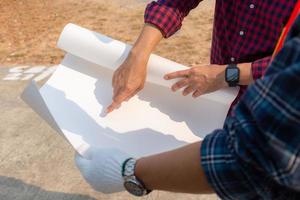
(245, 33)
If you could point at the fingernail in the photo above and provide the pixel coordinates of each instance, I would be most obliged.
(166, 77)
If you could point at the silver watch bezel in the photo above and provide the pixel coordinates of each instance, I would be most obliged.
(138, 189)
(131, 180)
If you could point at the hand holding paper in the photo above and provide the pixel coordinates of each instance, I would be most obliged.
(199, 80)
(102, 169)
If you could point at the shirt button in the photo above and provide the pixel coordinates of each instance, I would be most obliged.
(242, 33)
(252, 6)
(232, 59)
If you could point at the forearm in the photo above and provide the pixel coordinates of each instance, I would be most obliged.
(175, 171)
(147, 41)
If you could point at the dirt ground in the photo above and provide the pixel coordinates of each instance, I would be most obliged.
(30, 28)
(35, 162)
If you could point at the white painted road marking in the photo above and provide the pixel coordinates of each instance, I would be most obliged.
(18, 69)
(24, 73)
(12, 77)
(35, 70)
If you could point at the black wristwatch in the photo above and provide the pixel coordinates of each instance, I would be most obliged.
(232, 75)
(131, 182)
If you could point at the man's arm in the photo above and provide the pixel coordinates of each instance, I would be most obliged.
(162, 19)
(130, 77)
(176, 171)
(201, 80)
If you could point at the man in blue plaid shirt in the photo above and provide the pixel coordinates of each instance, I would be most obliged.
(256, 155)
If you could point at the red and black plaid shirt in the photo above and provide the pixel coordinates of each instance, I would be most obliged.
(244, 30)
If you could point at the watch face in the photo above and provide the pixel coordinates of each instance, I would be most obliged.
(232, 74)
(134, 189)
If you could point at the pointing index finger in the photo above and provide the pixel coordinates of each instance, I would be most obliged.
(118, 98)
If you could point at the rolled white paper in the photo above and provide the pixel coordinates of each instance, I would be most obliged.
(107, 52)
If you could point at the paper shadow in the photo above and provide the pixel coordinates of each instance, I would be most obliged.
(122, 57)
(176, 107)
(138, 143)
(14, 189)
(179, 108)
(103, 39)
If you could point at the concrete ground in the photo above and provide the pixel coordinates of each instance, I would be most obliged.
(36, 163)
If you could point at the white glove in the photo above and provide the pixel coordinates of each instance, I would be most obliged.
(103, 169)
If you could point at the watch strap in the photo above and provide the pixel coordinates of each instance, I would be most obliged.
(232, 84)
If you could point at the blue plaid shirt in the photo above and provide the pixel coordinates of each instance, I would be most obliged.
(257, 154)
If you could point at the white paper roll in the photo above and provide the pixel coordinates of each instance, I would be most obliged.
(107, 52)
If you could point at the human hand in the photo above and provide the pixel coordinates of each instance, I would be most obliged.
(128, 79)
(103, 169)
(199, 80)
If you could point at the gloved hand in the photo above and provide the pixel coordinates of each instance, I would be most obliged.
(103, 169)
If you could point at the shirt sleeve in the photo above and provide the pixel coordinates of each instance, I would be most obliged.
(259, 67)
(267, 120)
(167, 15)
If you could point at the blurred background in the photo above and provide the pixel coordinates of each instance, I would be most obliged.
(35, 162)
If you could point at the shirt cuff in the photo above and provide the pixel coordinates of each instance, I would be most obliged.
(167, 19)
(259, 67)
